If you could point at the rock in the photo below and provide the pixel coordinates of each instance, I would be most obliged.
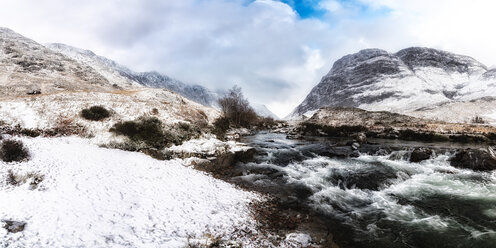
(375, 149)
(222, 163)
(355, 145)
(13, 226)
(361, 138)
(475, 159)
(420, 154)
(341, 152)
(302, 239)
(294, 136)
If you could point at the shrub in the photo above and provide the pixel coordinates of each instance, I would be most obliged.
(13, 151)
(267, 122)
(146, 129)
(183, 131)
(95, 113)
(31, 132)
(221, 125)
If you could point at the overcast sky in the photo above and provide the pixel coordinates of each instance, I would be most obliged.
(275, 50)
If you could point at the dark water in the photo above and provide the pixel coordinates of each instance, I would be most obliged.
(379, 201)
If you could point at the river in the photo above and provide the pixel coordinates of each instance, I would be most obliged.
(377, 201)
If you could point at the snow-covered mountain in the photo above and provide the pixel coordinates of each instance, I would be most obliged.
(115, 72)
(28, 67)
(262, 110)
(411, 80)
(119, 74)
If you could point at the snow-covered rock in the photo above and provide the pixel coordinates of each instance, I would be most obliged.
(97, 197)
(406, 81)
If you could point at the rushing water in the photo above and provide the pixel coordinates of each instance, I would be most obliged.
(380, 201)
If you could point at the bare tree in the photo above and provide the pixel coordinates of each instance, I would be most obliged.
(478, 120)
(236, 108)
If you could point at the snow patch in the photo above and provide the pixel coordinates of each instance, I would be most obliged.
(99, 197)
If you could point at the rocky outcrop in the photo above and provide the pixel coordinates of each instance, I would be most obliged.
(222, 164)
(475, 159)
(361, 124)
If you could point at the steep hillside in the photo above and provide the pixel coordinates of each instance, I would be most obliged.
(406, 81)
(117, 73)
(28, 67)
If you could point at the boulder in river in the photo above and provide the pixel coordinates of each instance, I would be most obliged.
(420, 154)
(475, 159)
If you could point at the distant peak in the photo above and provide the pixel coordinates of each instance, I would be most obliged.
(355, 58)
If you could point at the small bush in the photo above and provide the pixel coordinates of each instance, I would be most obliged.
(31, 132)
(221, 125)
(146, 129)
(183, 131)
(95, 113)
(13, 151)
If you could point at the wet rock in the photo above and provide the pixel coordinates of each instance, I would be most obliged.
(475, 159)
(223, 163)
(13, 226)
(420, 154)
(355, 145)
(294, 136)
(341, 152)
(371, 179)
(361, 138)
(375, 149)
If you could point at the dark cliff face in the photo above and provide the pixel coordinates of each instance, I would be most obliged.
(373, 75)
(416, 57)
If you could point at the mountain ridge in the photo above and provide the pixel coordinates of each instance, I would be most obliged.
(403, 82)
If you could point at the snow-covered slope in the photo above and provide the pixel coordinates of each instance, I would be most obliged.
(402, 82)
(26, 66)
(262, 110)
(96, 197)
(119, 74)
(109, 69)
(64, 108)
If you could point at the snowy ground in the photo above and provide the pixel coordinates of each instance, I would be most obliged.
(52, 110)
(97, 197)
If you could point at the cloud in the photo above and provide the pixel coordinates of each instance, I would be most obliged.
(264, 46)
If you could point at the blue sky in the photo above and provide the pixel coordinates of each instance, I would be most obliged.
(276, 50)
(314, 8)
(306, 8)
